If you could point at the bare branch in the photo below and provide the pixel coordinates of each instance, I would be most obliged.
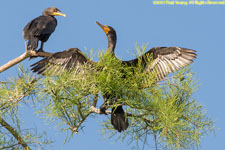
(3, 82)
(14, 133)
(98, 111)
(10, 146)
(30, 53)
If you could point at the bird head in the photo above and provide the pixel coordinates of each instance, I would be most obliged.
(111, 35)
(52, 11)
(107, 29)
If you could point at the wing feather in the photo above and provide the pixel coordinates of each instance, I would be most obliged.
(166, 60)
(170, 59)
(57, 63)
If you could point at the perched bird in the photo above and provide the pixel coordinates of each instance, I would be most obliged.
(40, 28)
(164, 61)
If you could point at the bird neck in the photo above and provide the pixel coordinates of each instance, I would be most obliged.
(111, 43)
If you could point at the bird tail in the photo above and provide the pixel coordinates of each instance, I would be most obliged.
(32, 43)
(118, 119)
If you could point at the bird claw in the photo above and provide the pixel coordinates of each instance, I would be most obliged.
(103, 110)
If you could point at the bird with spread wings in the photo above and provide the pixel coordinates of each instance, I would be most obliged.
(164, 61)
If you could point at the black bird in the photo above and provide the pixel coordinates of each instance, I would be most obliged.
(40, 28)
(165, 60)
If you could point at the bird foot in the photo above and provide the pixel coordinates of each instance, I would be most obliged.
(103, 110)
(32, 57)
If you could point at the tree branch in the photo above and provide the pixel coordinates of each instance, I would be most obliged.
(11, 100)
(14, 133)
(30, 53)
(98, 111)
(75, 130)
(17, 99)
(11, 146)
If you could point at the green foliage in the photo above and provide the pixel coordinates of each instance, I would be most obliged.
(165, 110)
(13, 94)
(170, 112)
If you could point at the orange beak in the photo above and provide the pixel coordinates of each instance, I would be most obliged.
(105, 28)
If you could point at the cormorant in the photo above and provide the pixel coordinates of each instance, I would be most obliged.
(40, 28)
(165, 60)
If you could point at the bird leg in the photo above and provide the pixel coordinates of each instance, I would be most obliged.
(41, 48)
(108, 101)
(95, 100)
(25, 46)
(103, 107)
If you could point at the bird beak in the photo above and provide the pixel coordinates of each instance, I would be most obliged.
(59, 14)
(104, 27)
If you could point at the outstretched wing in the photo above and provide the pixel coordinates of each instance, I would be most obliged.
(166, 60)
(57, 63)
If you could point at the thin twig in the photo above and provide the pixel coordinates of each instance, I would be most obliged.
(10, 146)
(95, 100)
(75, 130)
(14, 133)
(155, 139)
(17, 100)
(67, 115)
(65, 121)
(8, 103)
(79, 109)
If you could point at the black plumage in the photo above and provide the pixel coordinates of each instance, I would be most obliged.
(164, 60)
(118, 118)
(40, 28)
(60, 62)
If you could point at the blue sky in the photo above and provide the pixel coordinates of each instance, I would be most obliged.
(196, 27)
